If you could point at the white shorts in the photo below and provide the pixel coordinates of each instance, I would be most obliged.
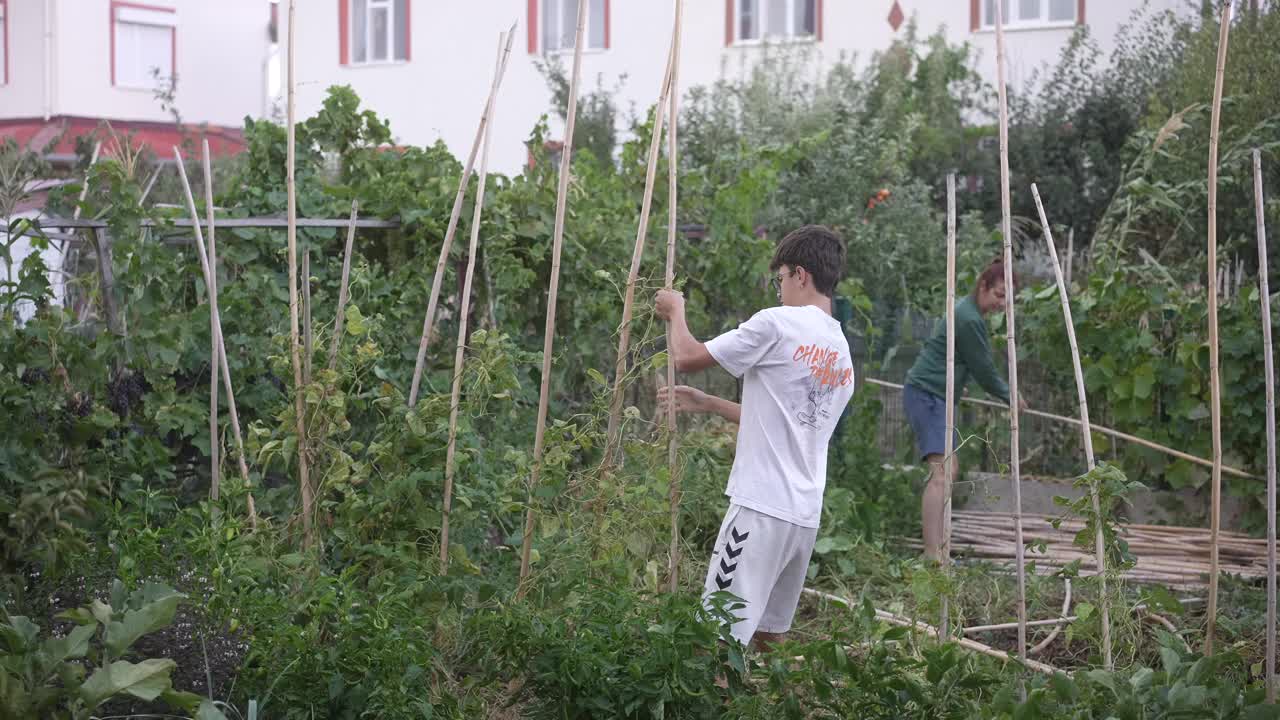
(763, 561)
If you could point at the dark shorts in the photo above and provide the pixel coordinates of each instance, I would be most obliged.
(927, 414)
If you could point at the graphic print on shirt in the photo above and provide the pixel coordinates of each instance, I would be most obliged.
(825, 377)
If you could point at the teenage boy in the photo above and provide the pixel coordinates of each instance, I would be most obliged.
(797, 379)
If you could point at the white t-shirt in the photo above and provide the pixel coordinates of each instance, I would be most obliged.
(797, 379)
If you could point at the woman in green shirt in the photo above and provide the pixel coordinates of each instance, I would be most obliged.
(923, 398)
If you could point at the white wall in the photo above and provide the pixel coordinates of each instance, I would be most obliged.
(221, 47)
(439, 93)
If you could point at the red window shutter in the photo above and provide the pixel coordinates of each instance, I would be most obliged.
(408, 30)
(817, 11)
(1080, 12)
(533, 27)
(728, 22)
(344, 32)
(975, 17)
(607, 9)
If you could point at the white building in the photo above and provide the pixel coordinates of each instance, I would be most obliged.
(66, 64)
(427, 66)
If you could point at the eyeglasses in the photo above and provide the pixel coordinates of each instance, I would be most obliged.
(775, 282)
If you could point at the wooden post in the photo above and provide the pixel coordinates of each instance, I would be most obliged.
(553, 292)
(343, 288)
(459, 356)
(308, 340)
(949, 444)
(673, 172)
(428, 322)
(613, 431)
(1099, 547)
(214, 437)
(299, 403)
(221, 360)
(1215, 391)
(1264, 293)
(1071, 250)
(1007, 230)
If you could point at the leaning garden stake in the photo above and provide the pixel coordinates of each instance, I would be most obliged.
(949, 443)
(215, 470)
(614, 429)
(1006, 229)
(220, 357)
(428, 322)
(1264, 296)
(343, 288)
(299, 406)
(1099, 548)
(673, 172)
(553, 292)
(459, 356)
(1215, 392)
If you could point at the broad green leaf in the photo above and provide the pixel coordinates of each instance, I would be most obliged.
(150, 617)
(74, 645)
(209, 711)
(146, 680)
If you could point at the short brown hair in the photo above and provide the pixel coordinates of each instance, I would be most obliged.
(993, 274)
(817, 249)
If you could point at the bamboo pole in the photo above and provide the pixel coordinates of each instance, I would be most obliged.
(673, 172)
(1215, 391)
(1098, 544)
(949, 444)
(1071, 250)
(1011, 335)
(308, 340)
(428, 321)
(214, 339)
(553, 293)
(1264, 295)
(1057, 627)
(927, 629)
(1095, 428)
(459, 355)
(221, 359)
(299, 404)
(614, 430)
(343, 288)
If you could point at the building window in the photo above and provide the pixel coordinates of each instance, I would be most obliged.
(772, 20)
(379, 31)
(1024, 13)
(560, 25)
(143, 45)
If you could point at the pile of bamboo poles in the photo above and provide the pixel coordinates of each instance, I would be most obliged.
(1177, 557)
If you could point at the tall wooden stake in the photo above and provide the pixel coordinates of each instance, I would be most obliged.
(553, 292)
(428, 322)
(1071, 251)
(1099, 548)
(459, 356)
(221, 359)
(343, 288)
(308, 339)
(299, 404)
(1215, 392)
(214, 465)
(1007, 231)
(613, 433)
(1264, 293)
(673, 172)
(949, 444)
